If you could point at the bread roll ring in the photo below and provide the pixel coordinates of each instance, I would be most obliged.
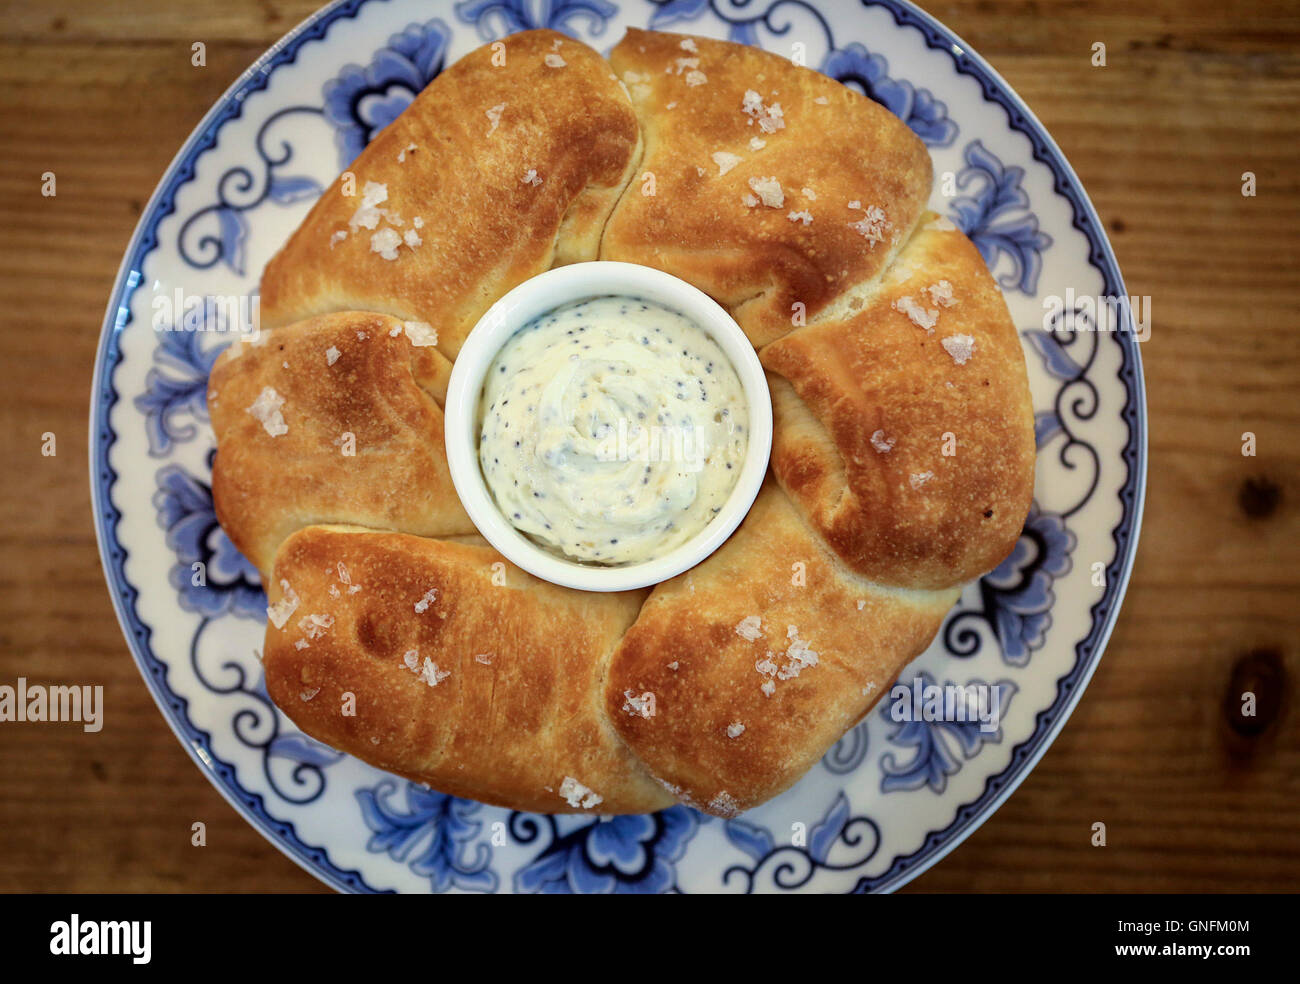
(902, 463)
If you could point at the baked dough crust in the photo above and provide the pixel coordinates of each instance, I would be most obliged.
(484, 228)
(717, 739)
(382, 390)
(754, 258)
(507, 731)
(943, 497)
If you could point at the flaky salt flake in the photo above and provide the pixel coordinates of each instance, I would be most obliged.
(960, 347)
(301, 644)
(822, 101)
(412, 238)
(735, 729)
(725, 161)
(531, 177)
(800, 654)
(338, 237)
(688, 44)
(803, 216)
(335, 592)
(554, 61)
(345, 576)
(394, 331)
(861, 604)
(307, 695)
(768, 688)
(577, 795)
(809, 194)
(757, 143)
(881, 443)
(418, 222)
(412, 660)
(700, 171)
(288, 604)
(314, 626)
(639, 706)
(431, 674)
(674, 665)
(429, 598)
(409, 148)
(385, 243)
(750, 200)
(769, 191)
(769, 118)
(421, 333)
(724, 805)
(919, 479)
(750, 627)
(671, 105)
(940, 293)
(362, 336)
(332, 355)
(695, 77)
(873, 225)
(266, 408)
(919, 315)
(368, 212)
(484, 658)
(494, 117)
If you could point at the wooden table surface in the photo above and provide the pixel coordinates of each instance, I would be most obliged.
(1193, 94)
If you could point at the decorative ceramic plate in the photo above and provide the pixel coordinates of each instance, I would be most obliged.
(891, 797)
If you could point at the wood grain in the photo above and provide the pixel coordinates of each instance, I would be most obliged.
(1192, 95)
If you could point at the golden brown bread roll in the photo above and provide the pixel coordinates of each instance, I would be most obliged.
(339, 382)
(759, 659)
(905, 432)
(728, 215)
(485, 690)
(732, 679)
(504, 166)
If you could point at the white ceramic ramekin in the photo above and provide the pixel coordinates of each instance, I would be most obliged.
(543, 293)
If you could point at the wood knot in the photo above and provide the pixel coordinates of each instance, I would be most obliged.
(1261, 674)
(1259, 497)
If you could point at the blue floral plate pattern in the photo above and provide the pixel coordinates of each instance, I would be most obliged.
(890, 798)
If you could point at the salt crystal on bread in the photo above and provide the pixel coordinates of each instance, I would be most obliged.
(725, 161)
(267, 409)
(577, 795)
(960, 347)
(769, 191)
(288, 604)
